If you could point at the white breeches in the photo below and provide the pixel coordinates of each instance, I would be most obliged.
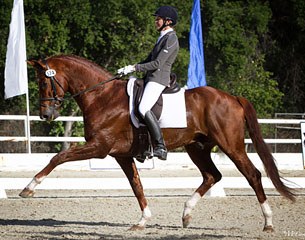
(152, 91)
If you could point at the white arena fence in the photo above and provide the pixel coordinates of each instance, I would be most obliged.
(299, 123)
(290, 160)
(176, 161)
(81, 139)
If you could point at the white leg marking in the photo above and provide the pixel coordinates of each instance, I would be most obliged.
(191, 203)
(34, 183)
(267, 213)
(146, 215)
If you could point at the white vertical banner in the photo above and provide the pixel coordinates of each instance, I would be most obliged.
(15, 73)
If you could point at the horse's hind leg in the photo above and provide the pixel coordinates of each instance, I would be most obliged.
(129, 167)
(253, 176)
(201, 156)
(229, 135)
(87, 151)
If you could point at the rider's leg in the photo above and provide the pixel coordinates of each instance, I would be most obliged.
(156, 134)
(150, 96)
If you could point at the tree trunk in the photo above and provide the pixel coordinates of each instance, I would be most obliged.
(68, 131)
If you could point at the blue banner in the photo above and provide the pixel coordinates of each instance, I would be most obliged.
(196, 70)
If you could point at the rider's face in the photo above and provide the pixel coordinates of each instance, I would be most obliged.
(158, 22)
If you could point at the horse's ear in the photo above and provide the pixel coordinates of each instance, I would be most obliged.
(36, 64)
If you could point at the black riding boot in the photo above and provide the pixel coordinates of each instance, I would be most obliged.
(156, 134)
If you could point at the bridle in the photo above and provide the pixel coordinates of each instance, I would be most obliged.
(50, 73)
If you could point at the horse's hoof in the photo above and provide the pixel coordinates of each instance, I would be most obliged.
(137, 228)
(26, 193)
(268, 229)
(186, 220)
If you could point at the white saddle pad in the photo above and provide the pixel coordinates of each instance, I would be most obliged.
(173, 113)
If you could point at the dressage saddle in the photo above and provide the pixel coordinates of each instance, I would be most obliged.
(157, 108)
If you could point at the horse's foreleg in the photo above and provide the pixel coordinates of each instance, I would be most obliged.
(202, 159)
(86, 151)
(129, 167)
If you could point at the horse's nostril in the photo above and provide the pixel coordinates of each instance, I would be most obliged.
(44, 117)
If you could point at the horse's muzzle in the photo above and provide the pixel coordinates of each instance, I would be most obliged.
(49, 114)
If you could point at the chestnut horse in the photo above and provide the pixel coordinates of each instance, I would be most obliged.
(213, 118)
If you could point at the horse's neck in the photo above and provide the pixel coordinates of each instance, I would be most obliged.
(78, 81)
(102, 97)
(82, 78)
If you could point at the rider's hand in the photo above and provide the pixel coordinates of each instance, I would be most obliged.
(126, 70)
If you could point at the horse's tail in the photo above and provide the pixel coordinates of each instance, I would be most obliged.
(262, 149)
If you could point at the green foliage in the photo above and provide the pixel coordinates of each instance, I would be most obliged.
(233, 46)
(299, 12)
(285, 57)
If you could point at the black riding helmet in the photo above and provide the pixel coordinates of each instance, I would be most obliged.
(167, 13)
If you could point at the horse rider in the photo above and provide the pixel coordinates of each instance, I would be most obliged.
(158, 68)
